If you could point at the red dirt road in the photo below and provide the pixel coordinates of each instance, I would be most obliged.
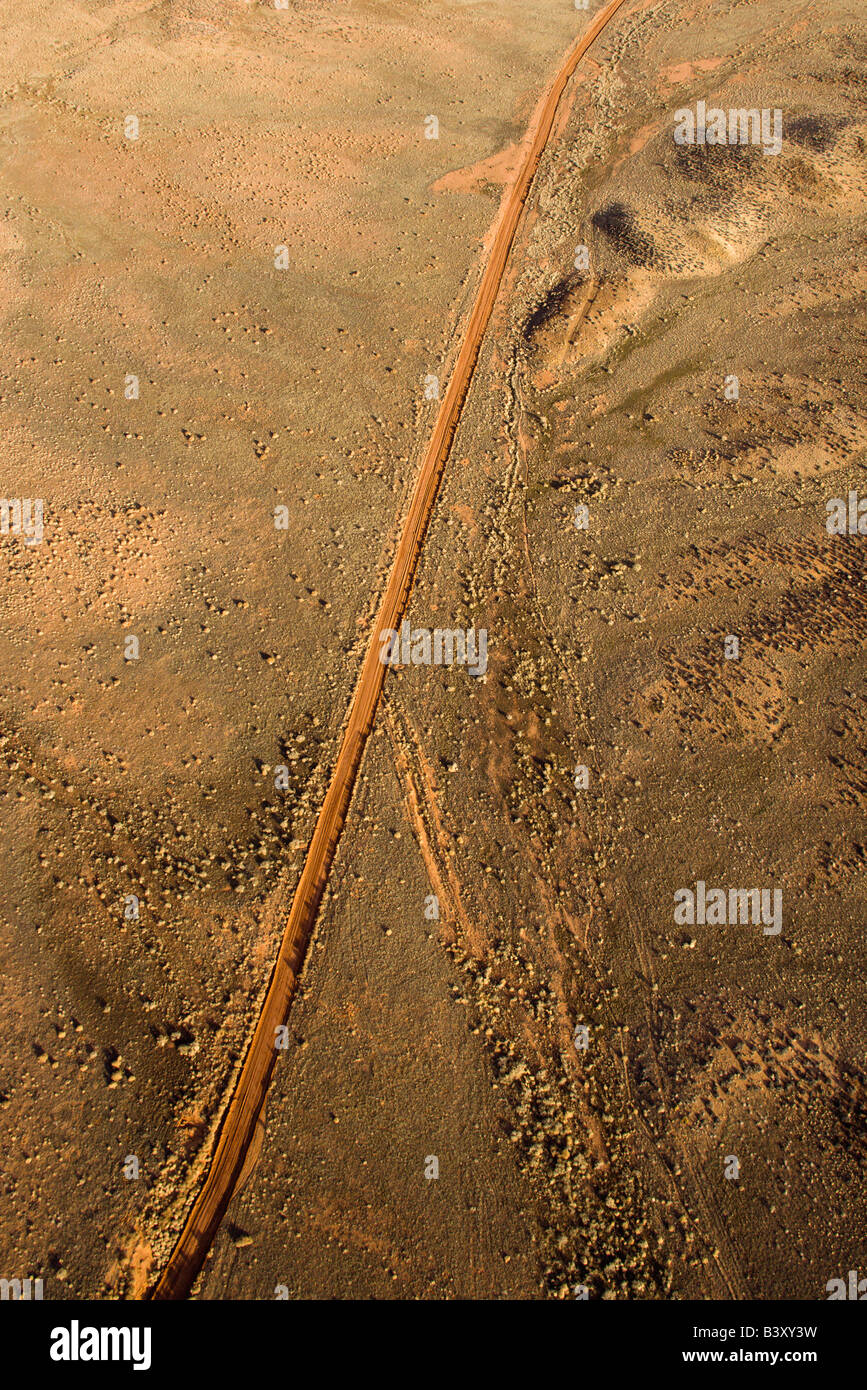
(240, 1120)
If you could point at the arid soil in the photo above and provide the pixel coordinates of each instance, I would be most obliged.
(434, 1029)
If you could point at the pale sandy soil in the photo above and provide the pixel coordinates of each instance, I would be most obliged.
(707, 518)
(302, 387)
(305, 387)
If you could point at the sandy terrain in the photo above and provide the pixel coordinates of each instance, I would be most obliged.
(415, 1035)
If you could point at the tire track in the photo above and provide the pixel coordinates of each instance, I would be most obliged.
(239, 1124)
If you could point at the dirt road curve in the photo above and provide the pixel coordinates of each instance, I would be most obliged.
(240, 1120)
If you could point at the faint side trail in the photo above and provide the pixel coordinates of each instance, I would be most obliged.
(242, 1114)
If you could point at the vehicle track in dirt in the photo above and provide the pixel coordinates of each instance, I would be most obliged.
(240, 1121)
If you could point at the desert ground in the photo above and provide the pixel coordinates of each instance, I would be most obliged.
(235, 275)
